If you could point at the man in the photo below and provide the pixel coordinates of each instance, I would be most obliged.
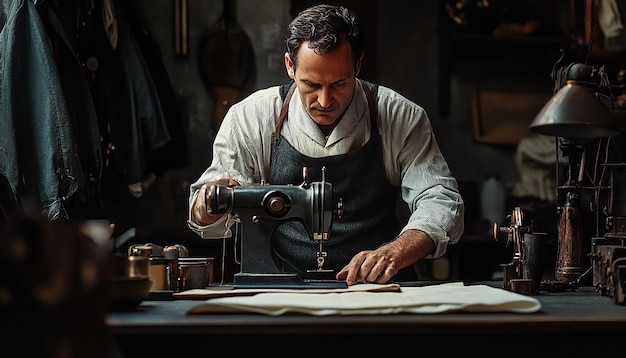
(372, 154)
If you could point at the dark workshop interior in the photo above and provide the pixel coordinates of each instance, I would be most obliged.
(447, 68)
(482, 70)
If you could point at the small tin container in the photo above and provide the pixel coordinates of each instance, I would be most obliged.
(158, 273)
(193, 272)
(138, 266)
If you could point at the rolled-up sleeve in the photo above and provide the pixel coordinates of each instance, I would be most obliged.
(241, 151)
(415, 163)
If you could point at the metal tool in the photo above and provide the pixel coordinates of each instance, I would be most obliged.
(514, 235)
(262, 208)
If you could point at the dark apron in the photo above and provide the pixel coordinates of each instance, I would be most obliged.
(358, 177)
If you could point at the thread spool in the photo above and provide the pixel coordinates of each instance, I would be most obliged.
(171, 254)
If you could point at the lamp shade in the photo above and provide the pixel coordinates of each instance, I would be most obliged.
(575, 112)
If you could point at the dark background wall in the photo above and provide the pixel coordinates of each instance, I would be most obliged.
(409, 48)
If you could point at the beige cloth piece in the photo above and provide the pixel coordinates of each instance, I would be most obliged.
(201, 293)
(437, 298)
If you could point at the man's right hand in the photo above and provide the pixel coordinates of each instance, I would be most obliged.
(201, 211)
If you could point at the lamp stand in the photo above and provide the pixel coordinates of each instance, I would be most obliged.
(570, 263)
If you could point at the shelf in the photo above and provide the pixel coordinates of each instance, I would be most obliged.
(515, 62)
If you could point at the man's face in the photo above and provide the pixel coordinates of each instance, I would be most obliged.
(325, 82)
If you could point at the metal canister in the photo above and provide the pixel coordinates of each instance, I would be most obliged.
(140, 250)
(158, 273)
(193, 272)
(138, 266)
(171, 270)
(211, 263)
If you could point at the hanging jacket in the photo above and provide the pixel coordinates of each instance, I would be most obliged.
(38, 154)
(89, 203)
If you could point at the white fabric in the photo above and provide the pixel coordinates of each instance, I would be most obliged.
(536, 163)
(431, 299)
(609, 18)
(110, 22)
(412, 157)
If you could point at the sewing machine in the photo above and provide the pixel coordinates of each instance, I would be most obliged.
(260, 210)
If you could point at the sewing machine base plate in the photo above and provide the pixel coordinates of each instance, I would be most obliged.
(283, 280)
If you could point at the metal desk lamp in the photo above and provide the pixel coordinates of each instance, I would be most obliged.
(575, 114)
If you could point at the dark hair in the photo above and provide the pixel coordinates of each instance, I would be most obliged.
(325, 27)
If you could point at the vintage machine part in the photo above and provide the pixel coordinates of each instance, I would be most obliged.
(514, 236)
(619, 281)
(260, 209)
(609, 269)
(571, 256)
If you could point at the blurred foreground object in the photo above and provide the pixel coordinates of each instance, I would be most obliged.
(53, 291)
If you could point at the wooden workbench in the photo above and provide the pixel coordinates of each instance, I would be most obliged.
(572, 322)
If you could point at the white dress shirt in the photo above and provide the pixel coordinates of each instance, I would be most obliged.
(412, 158)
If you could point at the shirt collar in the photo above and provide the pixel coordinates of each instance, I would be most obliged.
(356, 112)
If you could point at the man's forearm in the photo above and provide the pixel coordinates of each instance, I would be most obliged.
(408, 248)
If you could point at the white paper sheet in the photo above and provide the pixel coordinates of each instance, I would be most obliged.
(435, 298)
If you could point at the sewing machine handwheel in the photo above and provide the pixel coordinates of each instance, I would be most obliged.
(219, 199)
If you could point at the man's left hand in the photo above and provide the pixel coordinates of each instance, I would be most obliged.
(368, 266)
(382, 264)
